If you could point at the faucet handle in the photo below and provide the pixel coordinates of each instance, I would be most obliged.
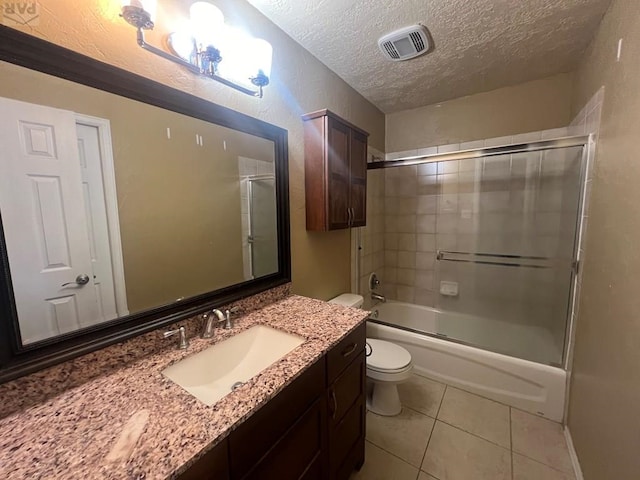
(228, 323)
(183, 343)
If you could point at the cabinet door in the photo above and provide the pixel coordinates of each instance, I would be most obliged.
(214, 465)
(346, 400)
(251, 440)
(299, 453)
(358, 182)
(338, 174)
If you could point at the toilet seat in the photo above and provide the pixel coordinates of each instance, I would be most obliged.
(387, 357)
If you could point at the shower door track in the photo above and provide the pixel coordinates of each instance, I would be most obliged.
(574, 141)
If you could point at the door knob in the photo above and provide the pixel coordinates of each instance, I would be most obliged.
(81, 279)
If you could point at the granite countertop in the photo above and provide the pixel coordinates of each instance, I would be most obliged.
(70, 435)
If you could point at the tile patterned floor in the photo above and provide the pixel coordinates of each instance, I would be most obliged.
(445, 433)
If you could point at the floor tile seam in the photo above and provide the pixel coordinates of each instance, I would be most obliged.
(421, 375)
(446, 387)
(426, 449)
(571, 472)
(513, 475)
(416, 411)
(392, 454)
(430, 474)
(475, 435)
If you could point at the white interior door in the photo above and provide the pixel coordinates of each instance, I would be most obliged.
(96, 215)
(43, 212)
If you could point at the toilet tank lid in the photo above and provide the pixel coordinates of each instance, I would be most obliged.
(348, 300)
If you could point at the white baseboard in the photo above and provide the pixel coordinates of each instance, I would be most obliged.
(572, 453)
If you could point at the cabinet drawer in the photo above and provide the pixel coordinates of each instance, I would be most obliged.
(346, 390)
(345, 352)
(260, 432)
(297, 453)
(347, 436)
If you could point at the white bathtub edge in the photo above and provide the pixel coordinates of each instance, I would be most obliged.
(536, 388)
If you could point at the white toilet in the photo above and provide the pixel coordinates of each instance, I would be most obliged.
(388, 365)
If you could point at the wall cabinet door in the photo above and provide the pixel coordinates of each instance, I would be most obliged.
(358, 180)
(338, 174)
(335, 172)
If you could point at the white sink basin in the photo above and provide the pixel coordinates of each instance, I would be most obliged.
(211, 374)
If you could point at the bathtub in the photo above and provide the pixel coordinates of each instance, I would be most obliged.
(523, 384)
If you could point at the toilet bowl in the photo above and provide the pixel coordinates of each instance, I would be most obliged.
(388, 365)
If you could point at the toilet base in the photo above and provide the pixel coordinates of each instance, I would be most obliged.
(383, 399)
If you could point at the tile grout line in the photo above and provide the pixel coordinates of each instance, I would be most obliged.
(544, 464)
(433, 427)
(393, 455)
(511, 446)
(473, 434)
(425, 451)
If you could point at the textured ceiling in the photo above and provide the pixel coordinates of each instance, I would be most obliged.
(479, 45)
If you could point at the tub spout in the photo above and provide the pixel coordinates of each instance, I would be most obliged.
(380, 298)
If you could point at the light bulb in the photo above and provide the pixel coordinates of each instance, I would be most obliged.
(207, 23)
(260, 56)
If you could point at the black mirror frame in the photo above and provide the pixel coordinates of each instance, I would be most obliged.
(25, 50)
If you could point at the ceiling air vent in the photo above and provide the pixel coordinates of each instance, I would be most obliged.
(405, 43)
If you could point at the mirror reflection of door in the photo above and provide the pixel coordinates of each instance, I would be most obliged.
(259, 217)
(262, 225)
(53, 209)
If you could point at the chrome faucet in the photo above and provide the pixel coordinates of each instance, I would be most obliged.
(209, 323)
(183, 343)
(207, 329)
(376, 296)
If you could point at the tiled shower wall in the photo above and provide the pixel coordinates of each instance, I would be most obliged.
(508, 205)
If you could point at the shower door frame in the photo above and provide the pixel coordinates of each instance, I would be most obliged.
(250, 210)
(587, 142)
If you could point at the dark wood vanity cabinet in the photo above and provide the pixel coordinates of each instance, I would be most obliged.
(214, 465)
(335, 172)
(346, 405)
(312, 430)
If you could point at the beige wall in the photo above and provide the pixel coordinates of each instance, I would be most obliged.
(299, 84)
(532, 106)
(604, 415)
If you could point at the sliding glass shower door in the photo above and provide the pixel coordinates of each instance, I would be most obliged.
(505, 235)
(263, 238)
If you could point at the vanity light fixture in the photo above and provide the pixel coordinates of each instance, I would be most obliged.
(210, 47)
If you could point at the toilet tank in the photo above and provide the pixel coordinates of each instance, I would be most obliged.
(348, 300)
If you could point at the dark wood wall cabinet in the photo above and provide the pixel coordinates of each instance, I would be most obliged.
(314, 429)
(335, 164)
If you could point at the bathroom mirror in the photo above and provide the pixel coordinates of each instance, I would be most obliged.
(125, 203)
